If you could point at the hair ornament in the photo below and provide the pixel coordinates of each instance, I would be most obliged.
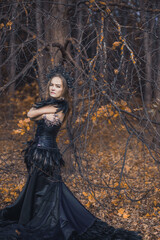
(61, 70)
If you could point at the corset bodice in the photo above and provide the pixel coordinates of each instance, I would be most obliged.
(46, 134)
(43, 151)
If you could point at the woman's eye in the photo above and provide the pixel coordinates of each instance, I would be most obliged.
(56, 86)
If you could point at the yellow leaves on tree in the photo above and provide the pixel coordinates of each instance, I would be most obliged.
(95, 5)
(1, 25)
(30, 91)
(81, 119)
(133, 57)
(24, 125)
(94, 78)
(123, 106)
(67, 141)
(103, 3)
(108, 10)
(9, 24)
(116, 44)
(116, 71)
(104, 111)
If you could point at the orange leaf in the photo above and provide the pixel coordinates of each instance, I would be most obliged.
(121, 211)
(1, 25)
(125, 215)
(116, 44)
(7, 199)
(103, 3)
(147, 215)
(85, 194)
(88, 204)
(116, 71)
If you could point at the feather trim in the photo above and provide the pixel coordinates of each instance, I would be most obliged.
(100, 230)
(62, 105)
(43, 158)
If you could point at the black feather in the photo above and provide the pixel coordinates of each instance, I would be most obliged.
(61, 104)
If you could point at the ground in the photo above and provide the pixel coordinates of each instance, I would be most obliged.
(101, 186)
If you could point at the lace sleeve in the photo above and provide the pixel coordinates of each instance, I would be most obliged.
(51, 122)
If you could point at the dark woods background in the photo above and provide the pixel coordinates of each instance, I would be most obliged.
(111, 140)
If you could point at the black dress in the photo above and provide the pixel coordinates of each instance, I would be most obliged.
(46, 209)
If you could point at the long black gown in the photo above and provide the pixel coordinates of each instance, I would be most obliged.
(46, 209)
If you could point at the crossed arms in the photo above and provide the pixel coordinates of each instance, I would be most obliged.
(37, 114)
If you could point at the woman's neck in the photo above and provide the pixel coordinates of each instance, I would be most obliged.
(59, 98)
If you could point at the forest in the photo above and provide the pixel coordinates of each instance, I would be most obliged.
(111, 141)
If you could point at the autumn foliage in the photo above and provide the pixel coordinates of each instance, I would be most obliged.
(111, 142)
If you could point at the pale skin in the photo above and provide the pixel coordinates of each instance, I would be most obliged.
(55, 90)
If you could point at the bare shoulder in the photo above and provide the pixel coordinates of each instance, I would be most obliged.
(60, 115)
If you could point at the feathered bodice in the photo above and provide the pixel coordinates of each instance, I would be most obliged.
(42, 152)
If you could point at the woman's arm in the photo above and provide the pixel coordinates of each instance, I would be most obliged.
(50, 116)
(33, 112)
(37, 118)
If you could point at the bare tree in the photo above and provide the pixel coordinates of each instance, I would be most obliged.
(110, 56)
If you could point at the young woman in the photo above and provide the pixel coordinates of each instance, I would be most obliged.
(46, 209)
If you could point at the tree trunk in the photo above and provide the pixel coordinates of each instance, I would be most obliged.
(148, 58)
(157, 85)
(47, 61)
(56, 29)
(105, 43)
(77, 59)
(39, 46)
(59, 28)
(1, 77)
(157, 89)
(12, 73)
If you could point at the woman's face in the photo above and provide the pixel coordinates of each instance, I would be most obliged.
(56, 87)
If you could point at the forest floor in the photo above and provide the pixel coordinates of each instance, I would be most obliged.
(102, 186)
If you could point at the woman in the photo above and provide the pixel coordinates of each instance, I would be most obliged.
(46, 208)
